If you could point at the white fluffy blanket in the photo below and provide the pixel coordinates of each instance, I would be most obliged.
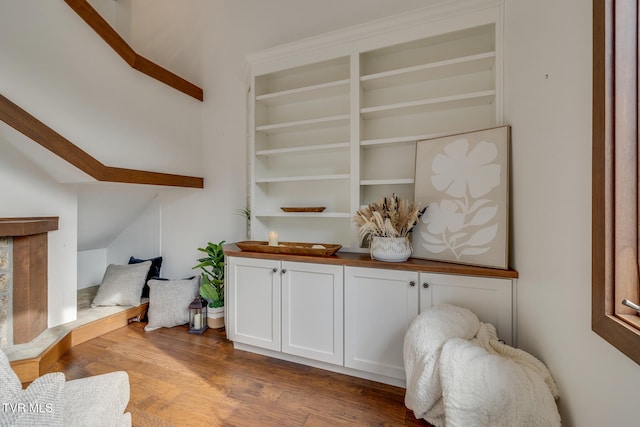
(459, 374)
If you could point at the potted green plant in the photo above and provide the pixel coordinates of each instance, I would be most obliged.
(212, 282)
(386, 225)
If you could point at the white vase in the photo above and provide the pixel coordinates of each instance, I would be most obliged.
(215, 317)
(391, 249)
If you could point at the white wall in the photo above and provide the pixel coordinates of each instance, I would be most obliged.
(91, 267)
(106, 209)
(170, 32)
(109, 10)
(167, 31)
(234, 29)
(140, 239)
(548, 103)
(26, 191)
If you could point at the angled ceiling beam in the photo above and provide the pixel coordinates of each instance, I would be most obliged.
(39, 132)
(140, 63)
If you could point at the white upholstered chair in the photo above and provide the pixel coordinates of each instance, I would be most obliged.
(50, 400)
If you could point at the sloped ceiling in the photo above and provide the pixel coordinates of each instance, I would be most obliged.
(105, 209)
(110, 111)
(58, 169)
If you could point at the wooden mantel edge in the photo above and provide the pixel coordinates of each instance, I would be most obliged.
(120, 46)
(39, 132)
(27, 226)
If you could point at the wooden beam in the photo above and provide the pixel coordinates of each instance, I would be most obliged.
(120, 46)
(39, 132)
(27, 226)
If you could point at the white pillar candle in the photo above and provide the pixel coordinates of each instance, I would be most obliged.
(197, 321)
(273, 238)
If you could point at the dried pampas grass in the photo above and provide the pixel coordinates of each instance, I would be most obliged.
(388, 217)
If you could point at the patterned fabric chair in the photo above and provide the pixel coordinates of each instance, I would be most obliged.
(50, 400)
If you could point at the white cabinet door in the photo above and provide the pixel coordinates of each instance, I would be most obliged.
(379, 306)
(312, 302)
(254, 301)
(489, 298)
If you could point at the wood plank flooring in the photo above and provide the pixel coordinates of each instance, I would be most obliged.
(179, 379)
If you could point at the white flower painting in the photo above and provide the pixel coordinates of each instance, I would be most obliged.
(464, 182)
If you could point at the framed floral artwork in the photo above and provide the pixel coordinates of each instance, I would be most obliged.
(464, 182)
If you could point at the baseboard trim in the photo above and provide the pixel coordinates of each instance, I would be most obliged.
(30, 369)
(398, 382)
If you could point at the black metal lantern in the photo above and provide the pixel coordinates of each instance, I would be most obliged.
(198, 316)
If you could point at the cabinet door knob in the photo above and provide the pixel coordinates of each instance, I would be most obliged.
(284, 270)
(275, 270)
(412, 283)
(425, 285)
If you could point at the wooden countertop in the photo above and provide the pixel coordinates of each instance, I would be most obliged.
(364, 260)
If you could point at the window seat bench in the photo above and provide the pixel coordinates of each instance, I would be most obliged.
(30, 360)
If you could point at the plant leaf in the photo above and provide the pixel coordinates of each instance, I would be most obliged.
(212, 273)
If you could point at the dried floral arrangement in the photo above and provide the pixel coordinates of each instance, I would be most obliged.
(388, 217)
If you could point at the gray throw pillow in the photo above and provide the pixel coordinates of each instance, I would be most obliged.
(122, 285)
(169, 302)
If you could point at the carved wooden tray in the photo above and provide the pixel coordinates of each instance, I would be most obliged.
(290, 248)
(303, 209)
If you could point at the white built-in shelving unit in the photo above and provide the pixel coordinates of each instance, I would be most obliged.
(334, 120)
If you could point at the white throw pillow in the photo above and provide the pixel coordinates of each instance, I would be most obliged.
(169, 302)
(122, 285)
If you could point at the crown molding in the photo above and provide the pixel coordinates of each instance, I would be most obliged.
(447, 9)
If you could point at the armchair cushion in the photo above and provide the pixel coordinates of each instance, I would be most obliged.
(10, 382)
(50, 401)
(99, 400)
(39, 404)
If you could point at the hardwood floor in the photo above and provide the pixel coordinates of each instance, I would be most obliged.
(179, 379)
